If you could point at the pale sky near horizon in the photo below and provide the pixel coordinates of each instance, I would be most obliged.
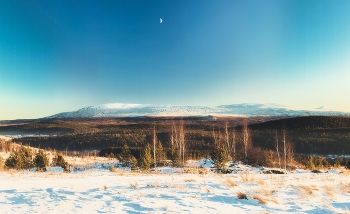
(58, 56)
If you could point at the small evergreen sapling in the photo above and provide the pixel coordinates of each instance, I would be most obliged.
(20, 159)
(219, 157)
(145, 158)
(41, 161)
(59, 161)
(125, 157)
(2, 162)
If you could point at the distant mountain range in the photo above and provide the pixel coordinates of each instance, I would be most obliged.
(238, 110)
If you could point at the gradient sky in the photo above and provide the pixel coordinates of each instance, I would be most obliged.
(58, 56)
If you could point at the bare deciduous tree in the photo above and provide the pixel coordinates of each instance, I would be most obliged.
(182, 140)
(230, 142)
(154, 146)
(233, 144)
(284, 149)
(178, 141)
(216, 138)
(277, 150)
(227, 141)
(246, 139)
(172, 140)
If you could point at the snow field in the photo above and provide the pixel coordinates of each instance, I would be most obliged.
(123, 191)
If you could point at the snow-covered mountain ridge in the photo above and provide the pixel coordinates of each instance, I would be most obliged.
(245, 110)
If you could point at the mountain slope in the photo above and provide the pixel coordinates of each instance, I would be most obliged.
(245, 110)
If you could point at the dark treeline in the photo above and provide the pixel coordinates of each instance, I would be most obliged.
(308, 135)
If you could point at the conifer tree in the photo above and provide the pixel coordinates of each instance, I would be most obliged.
(219, 157)
(269, 161)
(176, 158)
(310, 163)
(133, 163)
(14, 161)
(125, 156)
(41, 161)
(59, 161)
(145, 158)
(319, 162)
(160, 152)
(2, 162)
(20, 159)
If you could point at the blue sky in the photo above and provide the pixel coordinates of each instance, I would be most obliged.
(60, 56)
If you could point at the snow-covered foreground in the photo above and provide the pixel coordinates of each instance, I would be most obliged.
(102, 191)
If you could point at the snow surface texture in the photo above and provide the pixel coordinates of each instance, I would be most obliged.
(139, 110)
(98, 190)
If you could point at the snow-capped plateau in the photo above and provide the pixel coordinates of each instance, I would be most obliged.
(242, 110)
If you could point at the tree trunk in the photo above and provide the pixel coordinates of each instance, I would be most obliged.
(277, 150)
(154, 146)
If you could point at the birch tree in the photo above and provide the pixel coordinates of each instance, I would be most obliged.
(227, 141)
(182, 140)
(178, 143)
(230, 142)
(246, 139)
(154, 146)
(233, 144)
(284, 149)
(277, 150)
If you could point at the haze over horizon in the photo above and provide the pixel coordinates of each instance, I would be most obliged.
(58, 56)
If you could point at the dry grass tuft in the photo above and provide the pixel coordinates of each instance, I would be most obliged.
(112, 169)
(344, 172)
(260, 182)
(260, 199)
(154, 185)
(247, 177)
(307, 189)
(207, 189)
(230, 183)
(134, 185)
(241, 195)
(190, 180)
(266, 196)
(181, 187)
(194, 170)
(345, 188)
(329, 190)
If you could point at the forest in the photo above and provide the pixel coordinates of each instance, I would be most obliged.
(317, 135)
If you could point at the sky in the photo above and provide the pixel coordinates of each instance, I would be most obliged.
(58, 56)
